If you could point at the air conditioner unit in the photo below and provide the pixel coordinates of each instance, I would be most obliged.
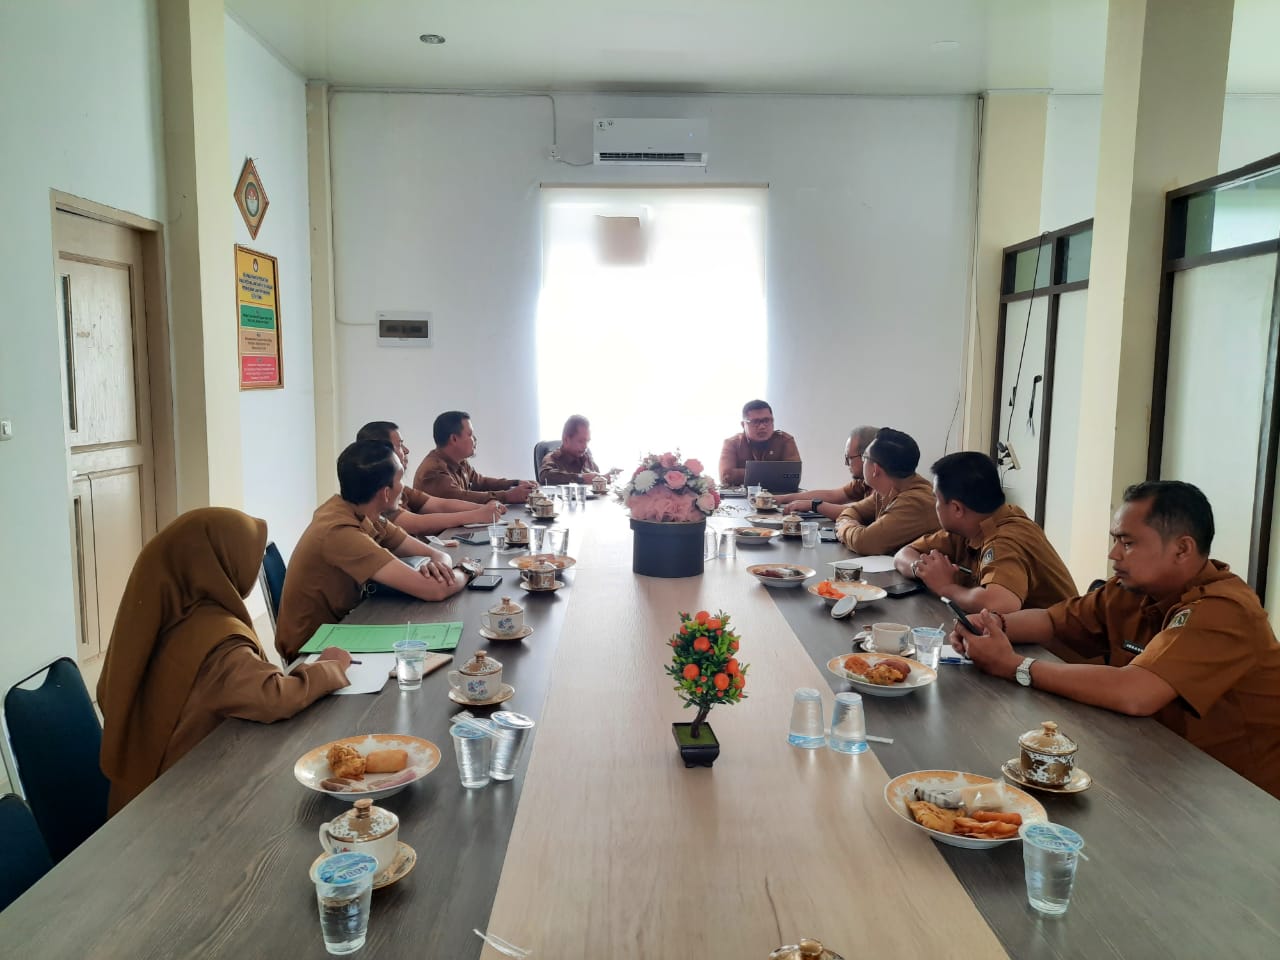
(679, 143)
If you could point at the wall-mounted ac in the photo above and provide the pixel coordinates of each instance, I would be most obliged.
(624, 142)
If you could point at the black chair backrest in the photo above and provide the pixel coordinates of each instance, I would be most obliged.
(56, 739)
(273, 571)
(26, 858)
(1096, 585)
(540, 450)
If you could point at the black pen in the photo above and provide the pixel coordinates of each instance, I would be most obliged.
(360, 662)
(966, 571)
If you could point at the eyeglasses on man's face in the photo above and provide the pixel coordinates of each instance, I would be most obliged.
(759, 422)
(850, 457)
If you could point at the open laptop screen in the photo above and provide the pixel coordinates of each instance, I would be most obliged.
(776, 476)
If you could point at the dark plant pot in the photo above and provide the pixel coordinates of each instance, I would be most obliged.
(696, 753)
(667, 549)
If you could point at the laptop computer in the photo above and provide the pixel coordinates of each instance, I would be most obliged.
(776, 476)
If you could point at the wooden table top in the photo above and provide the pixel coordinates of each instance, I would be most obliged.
(212, 859)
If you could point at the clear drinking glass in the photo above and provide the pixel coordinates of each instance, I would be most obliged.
(344, 884)
(807, 728)
(513, 732)
(554, 539)
(537, 535)
(928, 644)
(1050, 853)
(410, 655)
(710, 544)
(474, 751)
(848, 724)
(728, 545)
(809, 533)
(498, 535)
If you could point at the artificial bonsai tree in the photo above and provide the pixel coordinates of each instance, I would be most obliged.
(704, 664)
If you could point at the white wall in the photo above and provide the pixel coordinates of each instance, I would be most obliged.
(869, 232)
(268, 122)
(80, 111)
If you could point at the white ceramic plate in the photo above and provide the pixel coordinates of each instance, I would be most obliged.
(860, 590)
(529, 559)
(800, 574)
(770, 523)
(754, 536)
(313, 766)
(901, 789)
(920, 676)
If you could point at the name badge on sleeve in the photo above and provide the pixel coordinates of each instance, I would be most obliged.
(1132, 647)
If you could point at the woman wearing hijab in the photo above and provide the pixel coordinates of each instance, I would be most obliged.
(183, 655)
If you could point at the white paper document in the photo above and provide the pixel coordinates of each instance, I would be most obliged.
(367, 676)
(877, 564)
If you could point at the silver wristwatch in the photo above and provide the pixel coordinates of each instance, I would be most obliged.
(1023, 673)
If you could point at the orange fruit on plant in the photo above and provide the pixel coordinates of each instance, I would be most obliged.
(702, 644)
(691, 671)
(721, 680)
(732, 666)
(739, 681)
(701, 616)
(714, 623)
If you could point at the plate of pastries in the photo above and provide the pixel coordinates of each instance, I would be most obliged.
(375, 765)
(962, 809)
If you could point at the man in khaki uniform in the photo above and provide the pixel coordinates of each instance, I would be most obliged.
(571, 462)
(757, 441)
(445, 472)
(348, 544)
(829, 503)
(1185, 639)
(419, 514)
(901, 506)
(988, 554)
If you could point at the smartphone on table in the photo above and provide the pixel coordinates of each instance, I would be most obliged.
(486, 581)
(903, 588)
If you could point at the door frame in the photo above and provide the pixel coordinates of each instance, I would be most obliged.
(156, 324)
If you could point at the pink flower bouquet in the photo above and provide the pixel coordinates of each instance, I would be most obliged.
(665, 489)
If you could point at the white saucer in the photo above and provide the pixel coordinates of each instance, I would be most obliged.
(528, 589)
(507, 692)
(1079, 782)
(523, 632)
(862, 641)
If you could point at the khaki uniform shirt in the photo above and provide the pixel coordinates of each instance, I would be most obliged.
(337, 554)
(561, 467)
(856, 490)
(234, 681)
(1212, 644)
(415, 501)
(1011, 552)
(737, 450)
(881, 525)
(442, 477)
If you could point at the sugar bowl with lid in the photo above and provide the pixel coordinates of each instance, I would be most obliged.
(1047, 756)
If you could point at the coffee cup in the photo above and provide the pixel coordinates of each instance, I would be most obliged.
(364, 829)
(479, 680)
(517, 533)
(765, 501)
(506, 619)
(543, 508)
(791, 525)
(889, 637)
(846, 570)
(599, 484)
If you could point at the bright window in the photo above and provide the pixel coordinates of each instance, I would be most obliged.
(651, 319)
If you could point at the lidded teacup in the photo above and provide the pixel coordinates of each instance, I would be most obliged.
(504, 619)
(363, 829)
(1047, 756)
(517, 532)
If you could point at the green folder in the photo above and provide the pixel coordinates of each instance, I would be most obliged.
(378, 638)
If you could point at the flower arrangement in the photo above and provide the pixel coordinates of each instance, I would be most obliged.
(666, 489)
(704, 664)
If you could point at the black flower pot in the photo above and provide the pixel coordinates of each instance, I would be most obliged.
(696, 753)
(667, 549)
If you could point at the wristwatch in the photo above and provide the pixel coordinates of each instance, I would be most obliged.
(813, 505)
(1023, 673)
(470, 567)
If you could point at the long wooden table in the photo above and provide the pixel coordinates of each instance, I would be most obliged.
(606, 857)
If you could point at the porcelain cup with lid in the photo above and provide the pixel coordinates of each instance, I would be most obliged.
(791, 524)
(517, 532)
(363, 829)
(1047, 756)
(599, 484)
(542, 508)
(846, 570)
(480, 678)
(505, 619)
(764, 500)
(540, 576)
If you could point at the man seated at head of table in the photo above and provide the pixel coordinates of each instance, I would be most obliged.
(829, 503)
(988, 554)
(571, 462)
(1185, 640)
(900, 508)
(183, 654)
(349, 543)
(757, 441)
(445, 472)
(420, 514)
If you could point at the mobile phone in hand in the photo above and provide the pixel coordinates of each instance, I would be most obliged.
(960, 617)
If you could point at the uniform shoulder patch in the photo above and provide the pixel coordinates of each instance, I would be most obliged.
(1179, 619)
(988, 555)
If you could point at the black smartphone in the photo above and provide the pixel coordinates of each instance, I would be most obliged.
(828, 535)
(903, 588)
(959, 615)
(486, 581)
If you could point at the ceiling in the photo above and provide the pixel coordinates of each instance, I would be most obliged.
(731, 46)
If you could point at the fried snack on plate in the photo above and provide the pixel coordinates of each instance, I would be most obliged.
(897, 663)
(994, 829)
(828, 589)
(884, 675)
(934, 817)
(857, 664)
(992, 816)
(345, 761)
(386, 761)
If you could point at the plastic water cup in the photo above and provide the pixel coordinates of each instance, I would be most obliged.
(474, 751)
(1050, 853)
(513, 733)
(928, 643)
(807, 728)
(410, 655)
(710, 544)
(809, 534)
(537, 536)
(498, 535)
(848, 724)
(728, 545)
(562, 548)
(753, 491)
(344, 884)
(553, 540)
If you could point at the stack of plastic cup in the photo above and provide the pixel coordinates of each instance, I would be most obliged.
(848, 724)
(807, 728)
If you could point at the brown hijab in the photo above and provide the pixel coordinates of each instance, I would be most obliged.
(184, 598)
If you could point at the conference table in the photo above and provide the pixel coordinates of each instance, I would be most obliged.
(605, 845)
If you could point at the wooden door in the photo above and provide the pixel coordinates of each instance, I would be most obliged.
(101, 319)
